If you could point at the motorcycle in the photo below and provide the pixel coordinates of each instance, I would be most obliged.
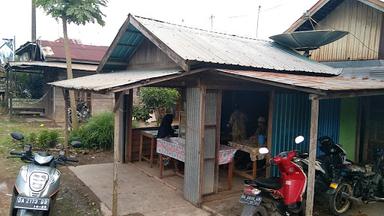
(277, 196)
(329, 168)
(37, 183)
(358, 184)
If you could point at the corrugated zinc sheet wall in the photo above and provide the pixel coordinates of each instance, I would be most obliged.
(292, 118)
(192, 147)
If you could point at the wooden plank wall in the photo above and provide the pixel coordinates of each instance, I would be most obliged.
(363, 22)
(150, 56)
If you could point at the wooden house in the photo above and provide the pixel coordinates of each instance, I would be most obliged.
(46, 59)
(359, 55)
(214, 71)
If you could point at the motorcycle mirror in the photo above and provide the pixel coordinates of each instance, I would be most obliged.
(17, 136)
(299, 139)
(263, 150)
(76, 144)
(27, 148)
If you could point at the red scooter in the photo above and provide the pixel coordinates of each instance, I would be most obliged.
(277, 196)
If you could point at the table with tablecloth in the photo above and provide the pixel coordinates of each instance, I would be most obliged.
(253, 149)
(174, 147)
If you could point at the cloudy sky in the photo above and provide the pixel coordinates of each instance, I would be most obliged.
(230, 16)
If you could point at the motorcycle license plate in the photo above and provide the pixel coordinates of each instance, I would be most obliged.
(32, 203)
(250, 199)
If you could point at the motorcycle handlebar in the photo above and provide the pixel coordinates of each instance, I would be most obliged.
(14, 156)
(16, 153)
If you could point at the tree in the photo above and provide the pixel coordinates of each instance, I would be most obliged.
(79, 12)
(158, 100)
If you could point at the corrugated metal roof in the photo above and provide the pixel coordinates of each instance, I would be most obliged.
(194, 46)
(75, 66)
(366, 69)
(335, 83)
(109, 81)
(54, 50)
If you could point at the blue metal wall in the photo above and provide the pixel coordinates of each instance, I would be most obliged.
(292, 117)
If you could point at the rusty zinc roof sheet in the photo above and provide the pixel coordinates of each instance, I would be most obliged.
(318, 83)
(109, 81)
(79, 51)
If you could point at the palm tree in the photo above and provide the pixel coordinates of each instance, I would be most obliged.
(79, 12)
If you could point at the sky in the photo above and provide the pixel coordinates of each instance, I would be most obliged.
(229, 16)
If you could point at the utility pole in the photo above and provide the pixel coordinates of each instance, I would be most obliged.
(13, 47)
(33, 24)
(257, 24)
(211, 18)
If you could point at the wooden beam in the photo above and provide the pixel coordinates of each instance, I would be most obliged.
(219, 98)
(381, 43)
(117, 63)
(271, 108)
(276, 84)
(312, 154)
(128, 132)
(357, 93)
(125, 44)
(116, 151)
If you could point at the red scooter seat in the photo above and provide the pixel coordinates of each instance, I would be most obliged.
(271, 183)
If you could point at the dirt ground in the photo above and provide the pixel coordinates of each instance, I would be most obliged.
(74, 199)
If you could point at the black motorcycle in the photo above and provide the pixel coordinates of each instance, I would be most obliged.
(361, 184)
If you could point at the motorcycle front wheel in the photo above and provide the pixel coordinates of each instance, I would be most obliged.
(249, 210)
(339, 202)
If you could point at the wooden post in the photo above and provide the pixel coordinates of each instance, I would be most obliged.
(312, 154)
(116, 150)
(218, 123)
(128, 141)
(270, 124)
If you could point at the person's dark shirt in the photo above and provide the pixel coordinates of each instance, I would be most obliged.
(165, 129)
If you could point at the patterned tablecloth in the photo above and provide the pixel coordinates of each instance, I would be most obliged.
(250, 147)
(174, 147)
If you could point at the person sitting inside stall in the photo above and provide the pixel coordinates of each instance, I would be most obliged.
(261, 132)
(238, 123)
(165, 129)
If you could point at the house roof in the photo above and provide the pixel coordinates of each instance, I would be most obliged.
(319, 85)
(364, 69)
(110, 82)
(312, 84)
(54, 50)
(61, 65)
(189, 47)
(321, 9)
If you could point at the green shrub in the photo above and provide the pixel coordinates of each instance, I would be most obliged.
(32, 138)
(97, 132)
(45, 138)
(141, 113)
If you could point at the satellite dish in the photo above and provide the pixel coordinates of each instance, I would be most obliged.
(308, 40)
